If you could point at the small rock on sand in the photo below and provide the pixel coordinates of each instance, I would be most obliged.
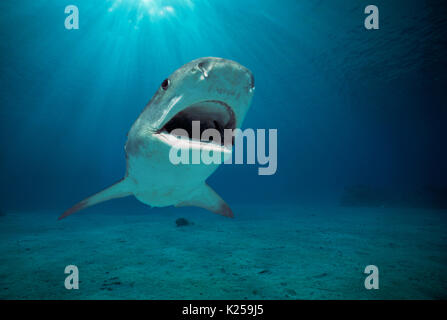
(182, 222)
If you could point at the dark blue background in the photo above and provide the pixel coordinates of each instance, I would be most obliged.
(350, 105)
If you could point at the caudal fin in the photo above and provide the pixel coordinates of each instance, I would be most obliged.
(118, 190)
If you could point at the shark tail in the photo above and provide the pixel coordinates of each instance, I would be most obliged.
(119, 189)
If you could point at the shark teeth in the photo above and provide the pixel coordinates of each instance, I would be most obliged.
(210, 114)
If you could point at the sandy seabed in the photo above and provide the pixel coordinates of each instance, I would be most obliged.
(266, 252)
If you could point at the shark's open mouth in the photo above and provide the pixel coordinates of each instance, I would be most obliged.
(211, 114)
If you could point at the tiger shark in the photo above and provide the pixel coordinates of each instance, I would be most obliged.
(215, 91)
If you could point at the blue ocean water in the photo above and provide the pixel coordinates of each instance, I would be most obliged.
(361, 175)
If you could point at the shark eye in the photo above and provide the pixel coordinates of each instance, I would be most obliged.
(165, 84)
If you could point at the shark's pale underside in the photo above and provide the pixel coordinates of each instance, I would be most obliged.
(214, 91)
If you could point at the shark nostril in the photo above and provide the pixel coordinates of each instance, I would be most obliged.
(252, 82)
(204, 67)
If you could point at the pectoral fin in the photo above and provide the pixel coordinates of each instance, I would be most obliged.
(205, 197)
(117, 190)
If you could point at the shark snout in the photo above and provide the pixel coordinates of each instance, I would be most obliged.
(232, 72)
(199, 88)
